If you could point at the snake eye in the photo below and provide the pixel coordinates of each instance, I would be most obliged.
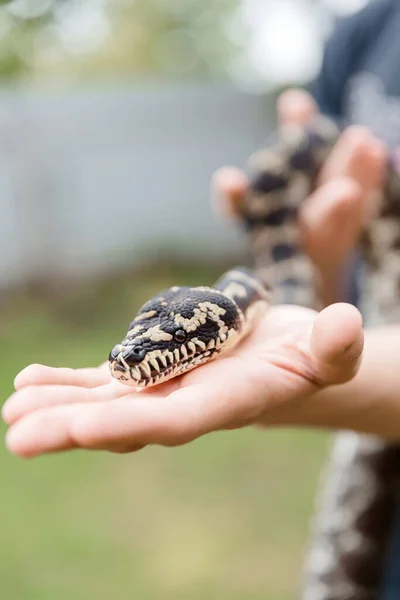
(134, 354)
(180, 336)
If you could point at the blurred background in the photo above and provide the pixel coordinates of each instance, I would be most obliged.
(113, 116)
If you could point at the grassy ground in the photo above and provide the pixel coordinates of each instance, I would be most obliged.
(225, 517)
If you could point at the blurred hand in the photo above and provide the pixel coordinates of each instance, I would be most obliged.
(293, 353)
(331, 218)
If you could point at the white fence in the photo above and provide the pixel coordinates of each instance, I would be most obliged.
(89, 180)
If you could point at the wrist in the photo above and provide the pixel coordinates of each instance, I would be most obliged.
(333, 282)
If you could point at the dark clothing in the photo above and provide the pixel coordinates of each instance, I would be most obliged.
(360, 77)
(359, 82)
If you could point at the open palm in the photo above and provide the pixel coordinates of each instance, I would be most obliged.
(290, 355)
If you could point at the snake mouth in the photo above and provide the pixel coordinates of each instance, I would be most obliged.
(159, 366)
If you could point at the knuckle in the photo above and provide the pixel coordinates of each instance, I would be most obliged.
(34, 371)
(357, 137)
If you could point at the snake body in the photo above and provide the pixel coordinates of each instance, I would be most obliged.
(183, 328)
(356, 509)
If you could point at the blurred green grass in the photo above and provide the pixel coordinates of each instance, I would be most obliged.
(225, 517)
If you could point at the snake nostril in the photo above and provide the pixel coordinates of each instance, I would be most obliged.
(134, 354)
(114, 353)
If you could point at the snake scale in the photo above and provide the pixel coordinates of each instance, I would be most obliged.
(182, 328)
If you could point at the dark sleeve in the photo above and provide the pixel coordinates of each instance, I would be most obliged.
(344, 52)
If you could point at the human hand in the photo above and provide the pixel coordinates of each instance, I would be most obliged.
(332, 217)
(292, 354)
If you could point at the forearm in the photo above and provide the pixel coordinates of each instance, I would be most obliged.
(370, 403)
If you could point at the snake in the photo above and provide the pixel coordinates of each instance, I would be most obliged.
(182, 328)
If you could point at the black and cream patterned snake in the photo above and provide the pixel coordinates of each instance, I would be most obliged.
(182, 328)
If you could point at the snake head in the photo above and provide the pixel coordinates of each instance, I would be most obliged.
(174, 332)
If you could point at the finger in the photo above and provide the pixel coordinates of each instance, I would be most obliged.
(127, 448)
(188, 413)
(228, 188)
(331, 220)
(332, 201)
(296, 106)
(42, 374)
(35, 397)
(105, 426)
(358, 155)
(337, 342)
(229, 184)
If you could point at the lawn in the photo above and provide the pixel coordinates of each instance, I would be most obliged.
(225, 517)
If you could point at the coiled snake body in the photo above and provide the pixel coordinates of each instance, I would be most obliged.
(182, 328)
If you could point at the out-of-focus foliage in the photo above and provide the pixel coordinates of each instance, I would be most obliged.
(85, 38)
(171, 37)
(74, 40)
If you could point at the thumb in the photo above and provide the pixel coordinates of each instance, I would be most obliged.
(337, 342)
(330, 222)
(228, 189)
(296, 107)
